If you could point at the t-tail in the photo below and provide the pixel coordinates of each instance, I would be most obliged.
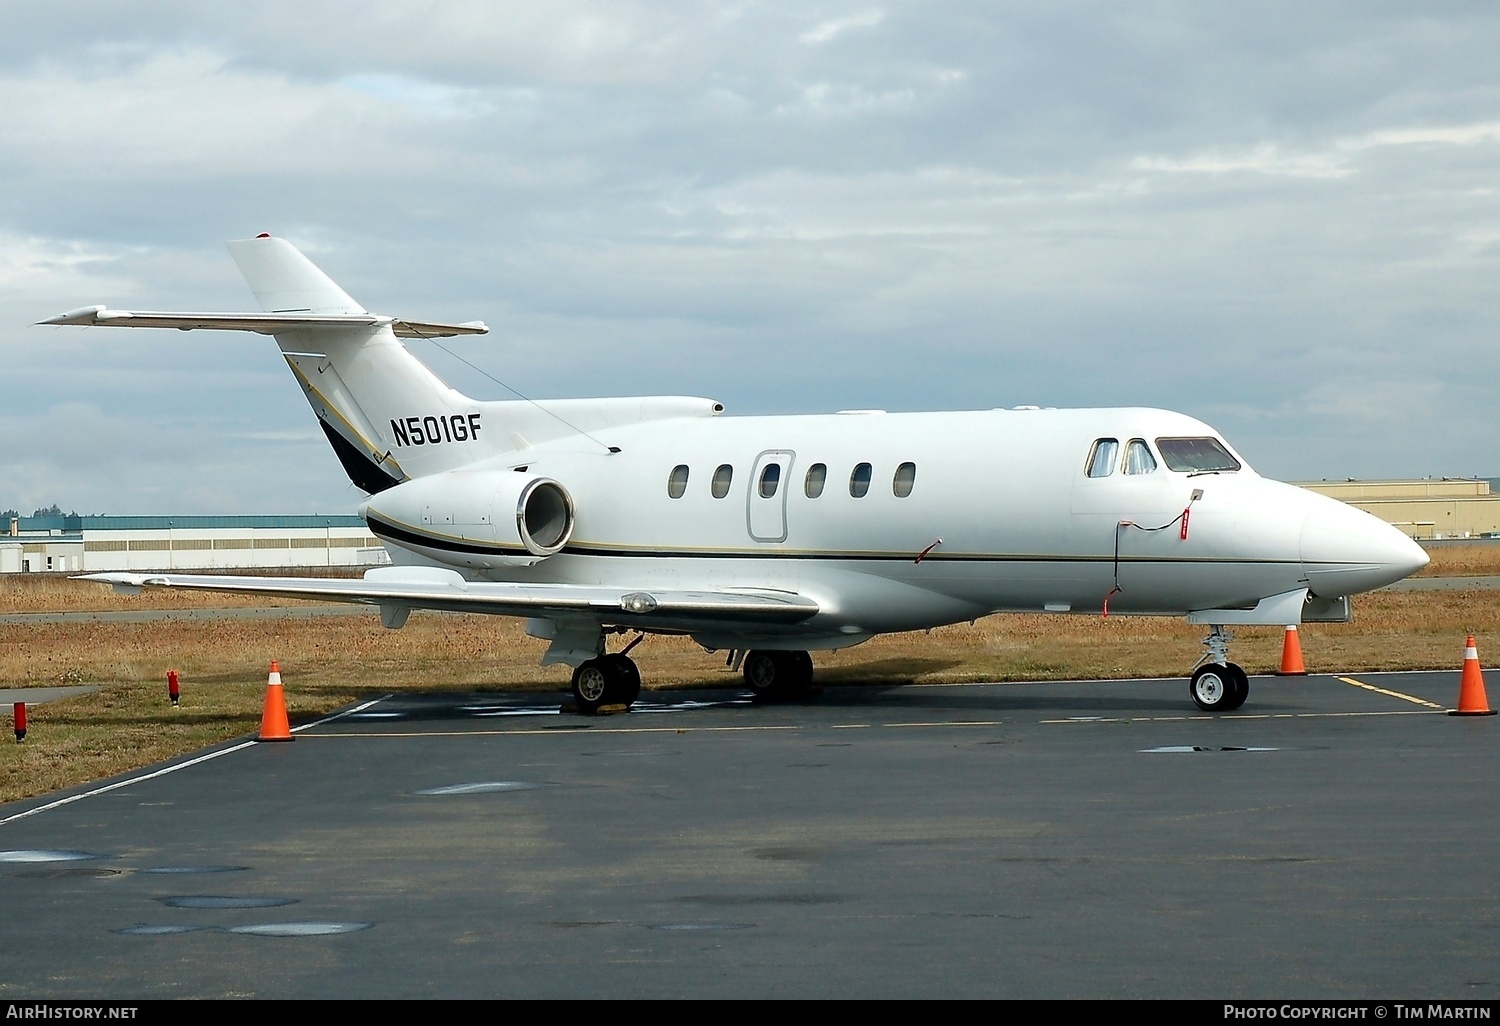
(388, 418)
(386, 415)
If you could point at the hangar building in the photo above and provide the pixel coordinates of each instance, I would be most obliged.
(89, 543)
(1427, 509)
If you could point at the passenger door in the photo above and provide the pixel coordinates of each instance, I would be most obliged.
(765, 514)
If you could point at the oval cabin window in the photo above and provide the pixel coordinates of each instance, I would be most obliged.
(817, 476)
(859, 481)
(906, 476)
(769, 479)
(722, 477)
(677, 481)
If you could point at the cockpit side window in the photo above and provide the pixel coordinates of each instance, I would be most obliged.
(1102, 457)
(1138, 458)
(1196, 455)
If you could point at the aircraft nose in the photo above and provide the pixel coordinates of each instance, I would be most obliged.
(1346, 550)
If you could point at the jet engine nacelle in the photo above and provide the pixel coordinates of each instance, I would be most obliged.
(478, 519)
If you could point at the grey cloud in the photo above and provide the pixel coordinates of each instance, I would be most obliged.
(1279, 217)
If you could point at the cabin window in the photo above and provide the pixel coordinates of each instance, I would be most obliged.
(859, 481)
(1138, 458)
(722, 477)
(1196, 455)
(817, 475)
(1102, 457)
(677, 481)
(906, 476)
(769, 479)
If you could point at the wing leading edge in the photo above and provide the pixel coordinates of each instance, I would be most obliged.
(424, 588)
(263, 323)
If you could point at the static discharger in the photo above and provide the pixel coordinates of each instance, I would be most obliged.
(1471, 697)
(273, 721)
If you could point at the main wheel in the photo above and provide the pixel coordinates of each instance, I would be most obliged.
(799, 667)
(1241, 686)
(626, 678)
(591, 685)
(1213, 689)
(764, 672)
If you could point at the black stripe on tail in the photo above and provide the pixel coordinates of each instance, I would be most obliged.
(363, 471)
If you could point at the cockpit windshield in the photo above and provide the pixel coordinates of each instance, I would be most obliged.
(1196, 455)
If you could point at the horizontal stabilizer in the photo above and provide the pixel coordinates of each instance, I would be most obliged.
(449, 591)
(264, 323)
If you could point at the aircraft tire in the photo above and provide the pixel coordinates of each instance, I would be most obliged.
(591, 685)
(799, 666)
(776, 673)
(625, 679)
(765, 673)
(1241, 682)
(1213, 688)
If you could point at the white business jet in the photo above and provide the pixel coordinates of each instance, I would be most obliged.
(773, 537)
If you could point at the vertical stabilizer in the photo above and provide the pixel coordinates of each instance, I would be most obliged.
(387, 416)
(285, 281)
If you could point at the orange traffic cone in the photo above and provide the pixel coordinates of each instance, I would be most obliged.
(273, 721)
(1471, 699)
(1291, 655)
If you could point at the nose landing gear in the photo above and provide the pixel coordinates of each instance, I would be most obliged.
(1219, 685)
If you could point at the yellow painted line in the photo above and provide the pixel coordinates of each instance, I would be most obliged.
(572, 731)
(1391, 694)
(1074, 721)
(645, 730)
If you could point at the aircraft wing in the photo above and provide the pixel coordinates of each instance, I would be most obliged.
(404, 588)
(264, 323)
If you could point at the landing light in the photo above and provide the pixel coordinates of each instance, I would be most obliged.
(638, 602)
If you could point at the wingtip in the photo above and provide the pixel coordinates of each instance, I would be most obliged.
(83, 315)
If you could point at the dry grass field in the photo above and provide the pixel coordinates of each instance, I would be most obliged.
(328, 662)
(1456, 559)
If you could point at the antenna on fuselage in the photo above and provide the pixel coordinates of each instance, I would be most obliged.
(611, 449)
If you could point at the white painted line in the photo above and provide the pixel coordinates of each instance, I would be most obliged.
(178, 766)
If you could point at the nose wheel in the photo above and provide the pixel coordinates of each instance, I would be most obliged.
(1219, 685)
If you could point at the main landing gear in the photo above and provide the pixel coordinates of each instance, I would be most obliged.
(606, 680)
(773, 674)
(1219, 685)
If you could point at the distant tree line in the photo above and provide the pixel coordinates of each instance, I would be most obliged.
(53, 510)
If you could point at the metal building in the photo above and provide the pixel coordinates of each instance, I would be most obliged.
(1427, 508)
(88, 543)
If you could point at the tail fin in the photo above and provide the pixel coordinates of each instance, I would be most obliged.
(386, 415)
(286, 282)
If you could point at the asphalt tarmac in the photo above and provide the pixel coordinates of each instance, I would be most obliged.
(1335, 838)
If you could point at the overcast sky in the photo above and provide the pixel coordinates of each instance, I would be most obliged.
(1281, 218)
